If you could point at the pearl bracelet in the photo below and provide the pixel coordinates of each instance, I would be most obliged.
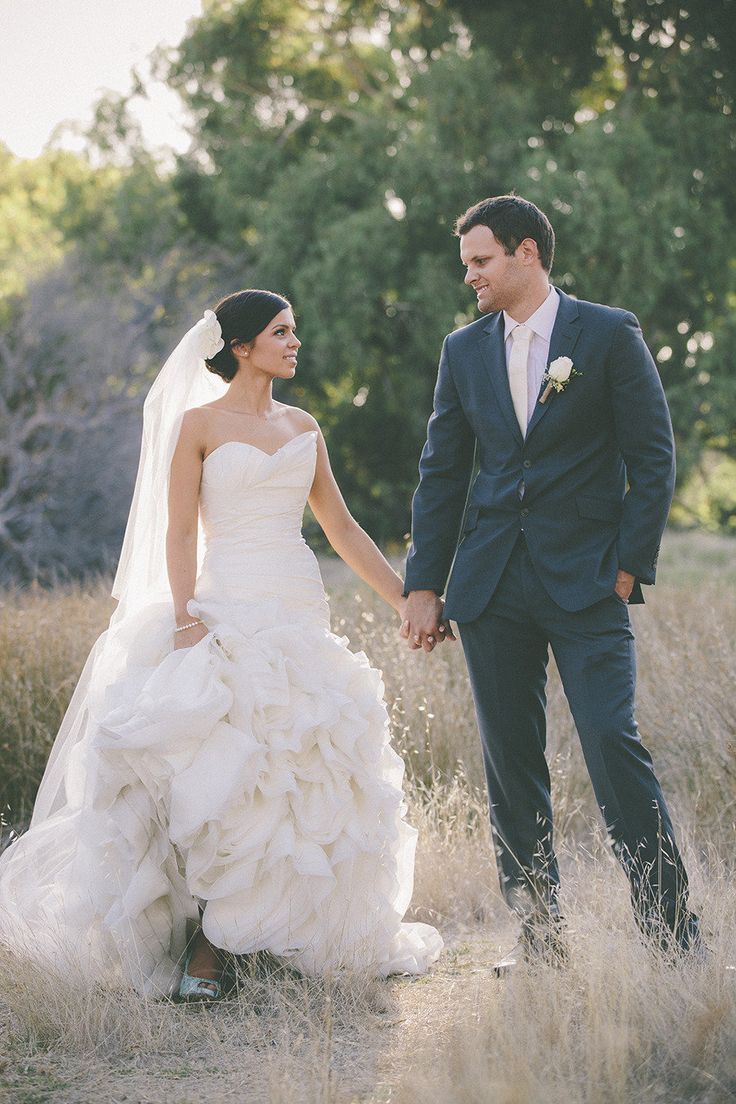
(190, 625)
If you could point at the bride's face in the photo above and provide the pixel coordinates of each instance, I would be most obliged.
(274, 351)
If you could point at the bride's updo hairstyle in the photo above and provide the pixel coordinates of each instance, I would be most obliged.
(242, 316)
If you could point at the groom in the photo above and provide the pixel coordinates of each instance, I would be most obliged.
(560, 405)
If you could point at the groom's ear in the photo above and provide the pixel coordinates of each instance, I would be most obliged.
(528, 252)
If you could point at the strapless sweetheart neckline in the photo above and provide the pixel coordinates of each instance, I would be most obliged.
(246, 444)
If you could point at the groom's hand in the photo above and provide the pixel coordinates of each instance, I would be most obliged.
(624, 584)
(423, 625)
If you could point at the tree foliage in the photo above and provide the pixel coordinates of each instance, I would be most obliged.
(332, 147)
(338, 146)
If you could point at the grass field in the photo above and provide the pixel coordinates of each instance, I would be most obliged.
(614, 1027)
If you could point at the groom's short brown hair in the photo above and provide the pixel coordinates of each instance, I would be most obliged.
(511, 219)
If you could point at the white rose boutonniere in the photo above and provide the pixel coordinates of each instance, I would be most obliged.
(557, 376)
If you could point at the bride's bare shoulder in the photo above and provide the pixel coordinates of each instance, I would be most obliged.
(200, 417)
(194, 427)
(300, 420)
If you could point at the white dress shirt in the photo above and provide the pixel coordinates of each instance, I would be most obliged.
(542, 323)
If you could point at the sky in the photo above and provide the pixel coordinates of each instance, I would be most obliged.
(56, 56)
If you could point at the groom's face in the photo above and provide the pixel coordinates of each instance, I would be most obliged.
(495, 276)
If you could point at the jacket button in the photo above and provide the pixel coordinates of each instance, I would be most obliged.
(527, 463)
(525, 512)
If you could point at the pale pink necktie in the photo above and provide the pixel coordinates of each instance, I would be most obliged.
(518, 376)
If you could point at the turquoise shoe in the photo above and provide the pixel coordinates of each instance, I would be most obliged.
(197, 988)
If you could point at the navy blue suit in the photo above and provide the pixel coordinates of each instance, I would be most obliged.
(550, 518)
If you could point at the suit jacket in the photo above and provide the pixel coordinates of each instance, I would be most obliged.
(590, 485)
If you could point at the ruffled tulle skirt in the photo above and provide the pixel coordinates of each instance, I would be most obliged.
(248, 780)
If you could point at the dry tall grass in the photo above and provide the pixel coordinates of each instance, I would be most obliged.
(615, 1026)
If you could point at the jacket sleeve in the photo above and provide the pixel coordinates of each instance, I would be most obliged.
(644, 436)
(445, 469)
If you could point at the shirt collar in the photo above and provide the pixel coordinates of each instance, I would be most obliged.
(541, 322)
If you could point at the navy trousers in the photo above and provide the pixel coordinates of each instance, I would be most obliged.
(506, 649)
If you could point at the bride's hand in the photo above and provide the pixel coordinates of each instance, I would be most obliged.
(189, 637)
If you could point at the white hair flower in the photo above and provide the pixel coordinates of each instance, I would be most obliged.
(208, 335)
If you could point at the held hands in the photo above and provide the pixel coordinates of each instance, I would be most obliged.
(422, 624)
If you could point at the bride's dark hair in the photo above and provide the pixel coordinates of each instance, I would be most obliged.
(242, 316)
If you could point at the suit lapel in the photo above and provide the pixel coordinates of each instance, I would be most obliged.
(565, 333)
(493, 352)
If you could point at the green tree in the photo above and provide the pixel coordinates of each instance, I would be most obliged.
(335, 148)
(37, 198)
(332, 148)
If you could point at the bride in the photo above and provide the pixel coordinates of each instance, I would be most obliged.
(225, 761)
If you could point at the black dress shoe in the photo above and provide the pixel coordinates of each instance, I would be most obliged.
(541, 941)
(510, 961)
(698, 953)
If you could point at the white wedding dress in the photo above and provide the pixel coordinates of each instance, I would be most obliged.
(250, 775)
